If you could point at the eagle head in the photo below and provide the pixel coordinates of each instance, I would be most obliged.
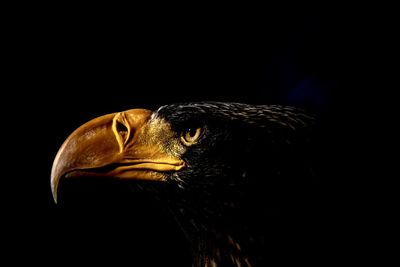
(212, 164)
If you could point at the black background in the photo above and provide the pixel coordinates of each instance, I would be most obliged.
(69, 67)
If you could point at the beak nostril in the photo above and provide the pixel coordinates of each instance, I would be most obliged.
(122, 130)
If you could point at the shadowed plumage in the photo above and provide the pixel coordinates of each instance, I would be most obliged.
(224, 171)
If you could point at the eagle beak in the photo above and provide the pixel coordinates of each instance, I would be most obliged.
(116, 145)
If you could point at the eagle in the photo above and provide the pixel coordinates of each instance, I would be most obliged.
(230, 174)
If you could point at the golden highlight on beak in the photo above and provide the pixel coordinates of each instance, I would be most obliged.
(115, 146)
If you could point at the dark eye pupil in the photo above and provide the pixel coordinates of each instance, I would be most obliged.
(192, 132)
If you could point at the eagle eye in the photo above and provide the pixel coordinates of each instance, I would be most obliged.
(191, 135)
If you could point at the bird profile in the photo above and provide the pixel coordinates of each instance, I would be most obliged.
(230, 174)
